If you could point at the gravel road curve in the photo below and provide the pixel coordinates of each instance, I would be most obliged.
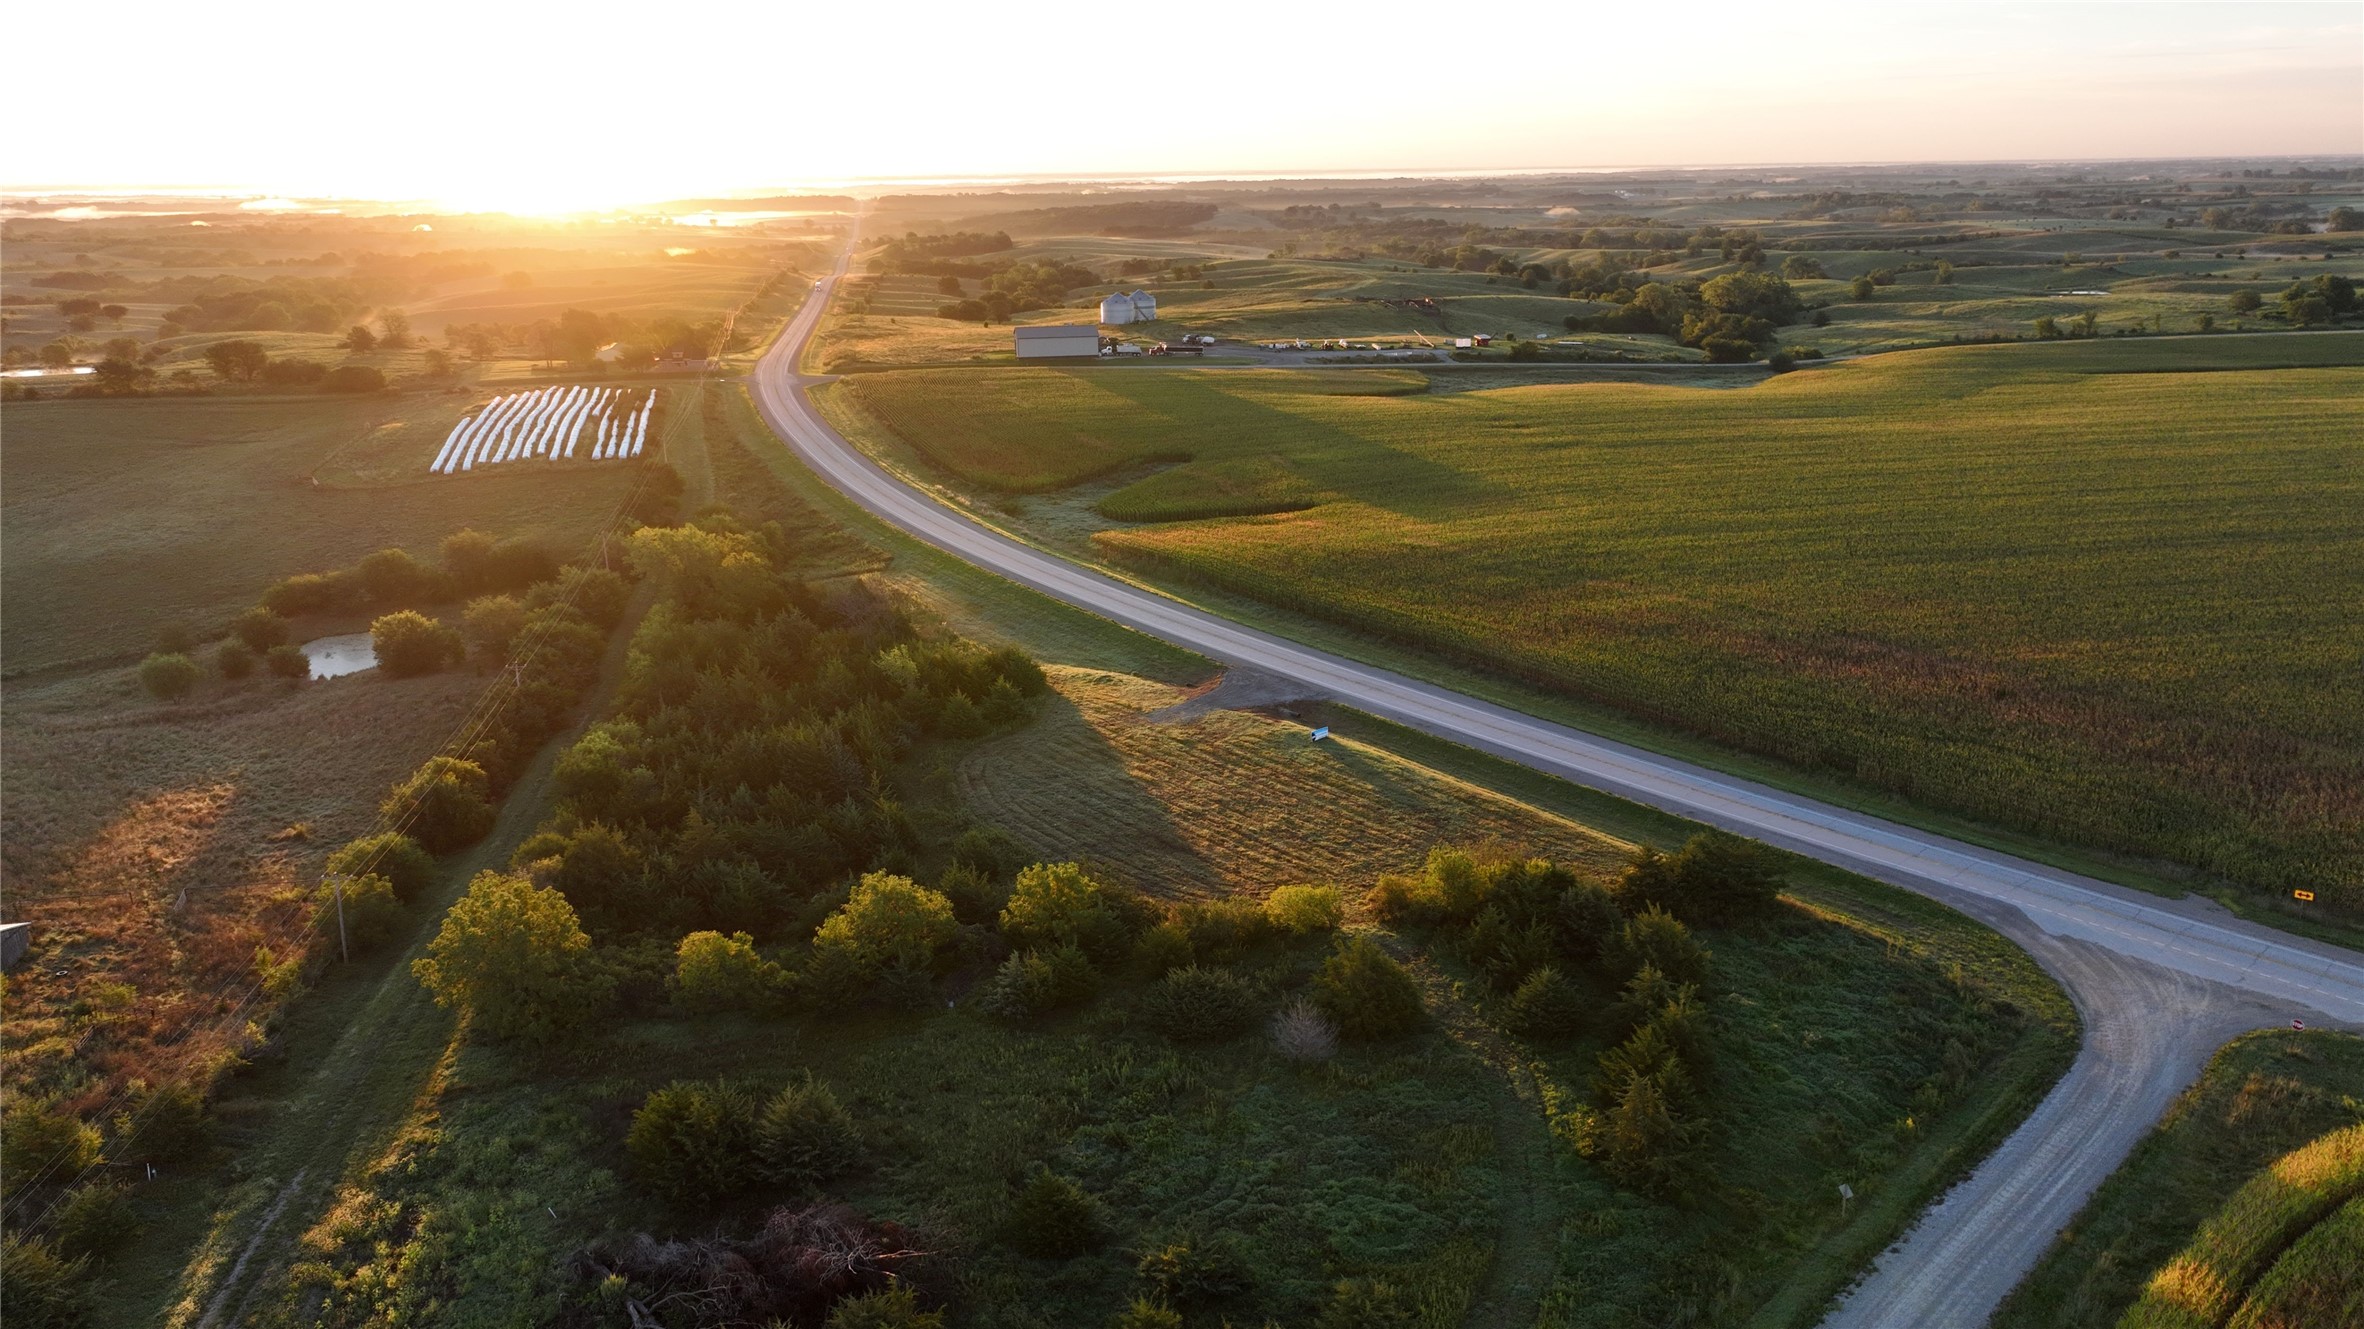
(2160, 983)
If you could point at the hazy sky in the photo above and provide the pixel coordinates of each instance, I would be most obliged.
(495, 103)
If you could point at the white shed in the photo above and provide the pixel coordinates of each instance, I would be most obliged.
(1050, 340)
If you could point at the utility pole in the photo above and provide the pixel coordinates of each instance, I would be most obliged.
(344, 951)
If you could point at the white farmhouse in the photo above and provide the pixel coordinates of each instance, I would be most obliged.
(1051, 340)
(1138, 307)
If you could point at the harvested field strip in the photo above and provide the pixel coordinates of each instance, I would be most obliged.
(1230, 802)
(2201, 1287)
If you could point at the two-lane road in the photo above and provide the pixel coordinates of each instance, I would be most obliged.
(2157, 981)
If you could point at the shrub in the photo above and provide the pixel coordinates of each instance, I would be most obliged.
(1193, 1272)
(409, 643)
(1224, 931)
(693, 1142)
(1147, 1314)
(288, 662)
(233, 659)
(169, 1122)
(712, 972)
(259, 628)
(599, 595)
(1301, 910)
(1646, 994)
(292, 371)
(1644, 1143)
(1588, 923)
(41, 1145)
(804, 1136)
(1365, 992)
(314, 593)
(1713, 879)
(1367, 1303)
(391, 578)
(1031, 983)
(478, 564)
(990, 850)
(1302, 1033)
(353, 378)
(1451, 890)
(372, 911)
(95, 1220)
(1056, 904)
(977, 898)
(490, 623)
(1545, 1006)
(446, 804)
(389, 854)
(1508, 950)
(1052, 1218)
(1194, 1004)
(1658, 940)
(169, 677)
(46, 1290)
(1163, 949)
(888, 921)
(513, 960)
(888, 1308)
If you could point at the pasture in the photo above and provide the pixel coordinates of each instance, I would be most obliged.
(124, 515)
(2092, 591)
(2264, 1149)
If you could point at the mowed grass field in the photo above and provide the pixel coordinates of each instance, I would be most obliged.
(2101, 591)
(2242, 1208)
(121, 516)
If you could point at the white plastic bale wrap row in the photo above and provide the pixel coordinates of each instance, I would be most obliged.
(640, 425)
(547, 422)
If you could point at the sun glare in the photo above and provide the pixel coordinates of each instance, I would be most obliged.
(526, 198)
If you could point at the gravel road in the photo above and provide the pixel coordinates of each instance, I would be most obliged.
(2160, 983)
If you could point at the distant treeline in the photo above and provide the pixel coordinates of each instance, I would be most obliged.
(942, 255)
(1139, 220)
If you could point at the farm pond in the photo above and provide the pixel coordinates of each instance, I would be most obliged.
(333, 657)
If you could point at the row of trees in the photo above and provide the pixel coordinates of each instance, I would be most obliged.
(913, 254)
(238, 360)
(1011, 288)
(468, 563)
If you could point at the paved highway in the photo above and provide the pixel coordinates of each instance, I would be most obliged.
(2159, 983)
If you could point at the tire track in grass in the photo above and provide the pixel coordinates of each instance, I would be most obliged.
(1526, 1241)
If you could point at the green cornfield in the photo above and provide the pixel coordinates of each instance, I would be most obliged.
(2103, 592)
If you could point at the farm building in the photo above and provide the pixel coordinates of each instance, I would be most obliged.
(15, 940)
(1138, 307)
(1050, 340)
